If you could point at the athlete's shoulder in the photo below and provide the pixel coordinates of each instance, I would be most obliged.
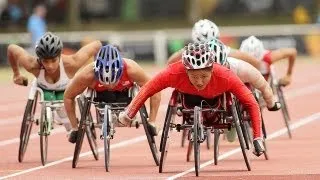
(221, 72)
(176, 68)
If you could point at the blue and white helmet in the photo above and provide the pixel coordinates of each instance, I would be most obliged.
(108, 65)
(204, 31)
(221, 50)
(253, 46)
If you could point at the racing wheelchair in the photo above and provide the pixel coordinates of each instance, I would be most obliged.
(108, 106)
(200, 116)
(45, 120)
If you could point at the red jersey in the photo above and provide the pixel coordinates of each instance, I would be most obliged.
(265, 69)
(222, 80)
(124, 83)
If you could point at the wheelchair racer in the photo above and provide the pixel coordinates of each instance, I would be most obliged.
(197, 74)
(52, 69)
(110, 76)
(254, 47)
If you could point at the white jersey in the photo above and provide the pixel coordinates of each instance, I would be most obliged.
(60, 85)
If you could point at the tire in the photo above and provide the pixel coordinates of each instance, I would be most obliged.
(184, 135)
(107, 120)
(81, 132)
(284, 109)
(189, 150)
(196, 140)
(216, 146)
(240, 135)
(243, 124)
(208, 138)
(151, 139)
(164, 146)
(90, 130)
(26, 126)
(44, 133)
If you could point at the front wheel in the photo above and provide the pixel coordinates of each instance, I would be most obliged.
(196, 138)
(44, 133)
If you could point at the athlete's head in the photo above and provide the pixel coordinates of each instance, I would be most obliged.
(204, 31)
(198, 60)
(48, 50)
(108, 65)
(220, 50)
(253, 46)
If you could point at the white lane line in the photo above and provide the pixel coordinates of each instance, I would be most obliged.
(289, 95)
(276, 134)
(32, 136)
(113, 146)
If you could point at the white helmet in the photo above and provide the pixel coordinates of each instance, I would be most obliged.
(253, 46)
(204, 31)
(221, 51)
(197, 56)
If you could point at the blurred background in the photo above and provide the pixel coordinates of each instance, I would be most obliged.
(151, 30)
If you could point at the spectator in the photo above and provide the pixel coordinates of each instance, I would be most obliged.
(37, 24)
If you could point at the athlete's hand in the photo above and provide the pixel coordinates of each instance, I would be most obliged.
(124, 119)
(284, 81)
(20, 80)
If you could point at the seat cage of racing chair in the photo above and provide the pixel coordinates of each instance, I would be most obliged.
(213, 110)
(49, 106)
(115, 107)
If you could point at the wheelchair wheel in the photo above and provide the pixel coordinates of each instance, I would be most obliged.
(107, 123)
(240, 135)
(184, 135)
(81, 132)
(164, 145)
(44, 133)
(284, 109)
(208, 138)
(26, 126)
(90, 130)
(151, 139)
(190, 147)
(196, 138)
(216, 146)
(91, 135)
(244, 124)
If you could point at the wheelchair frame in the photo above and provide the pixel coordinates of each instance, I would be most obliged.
(107, 125)
(197, 129)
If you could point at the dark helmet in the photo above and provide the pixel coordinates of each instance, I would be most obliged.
(48, 46)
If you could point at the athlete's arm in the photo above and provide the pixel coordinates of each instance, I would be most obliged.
(245, 57)
(18, 56)
(84, 54)
(137, 74)
(78, 84)
(175, 57)
(248, 74)
(283, 53)
(236, 87)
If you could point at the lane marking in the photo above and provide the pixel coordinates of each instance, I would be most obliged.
(113, 146)
(300, 123)
(32, 136)
(289, 95)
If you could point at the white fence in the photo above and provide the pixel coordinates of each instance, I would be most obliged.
(161, 37)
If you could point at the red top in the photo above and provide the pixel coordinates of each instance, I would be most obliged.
(124, 82)
(222, 80)
(267, 57)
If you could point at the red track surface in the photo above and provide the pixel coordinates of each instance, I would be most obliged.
(297, 158)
